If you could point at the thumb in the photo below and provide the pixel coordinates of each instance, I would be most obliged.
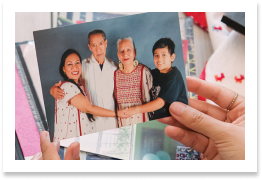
(49, 151)
(197, 121)
(72, 152)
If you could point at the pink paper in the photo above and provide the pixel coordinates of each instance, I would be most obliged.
(25, 126)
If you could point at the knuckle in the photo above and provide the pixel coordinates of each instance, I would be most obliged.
(197, 118)
(44, 148)
(45, 151)
(216, 95)
(223, 136)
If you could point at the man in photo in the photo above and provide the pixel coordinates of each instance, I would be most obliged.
(168, 84)
(97, 79)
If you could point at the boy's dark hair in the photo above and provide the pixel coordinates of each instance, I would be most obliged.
(97, 31)
(62, 64)
(162, 43)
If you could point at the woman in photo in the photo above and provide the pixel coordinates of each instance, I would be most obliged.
(74, 113)
(132, 82)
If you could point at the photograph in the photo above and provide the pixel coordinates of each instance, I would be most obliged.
(110, 73)
(150, 88)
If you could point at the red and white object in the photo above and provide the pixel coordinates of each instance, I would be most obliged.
(199, 19)
(226, 66)
(217, 30)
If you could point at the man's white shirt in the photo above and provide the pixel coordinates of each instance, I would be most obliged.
(99, 87)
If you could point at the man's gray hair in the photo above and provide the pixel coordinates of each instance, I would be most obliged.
(97, 31)
(124, 38)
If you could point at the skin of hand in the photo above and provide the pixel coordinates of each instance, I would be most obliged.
(57, 92)
(50, 150)
(123, 113)
(148, 107)
(131, 111)
(212, 130)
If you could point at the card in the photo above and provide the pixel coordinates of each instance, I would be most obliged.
(114, 73)
(25, 126)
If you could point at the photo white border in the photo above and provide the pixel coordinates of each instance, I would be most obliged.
(11, 165)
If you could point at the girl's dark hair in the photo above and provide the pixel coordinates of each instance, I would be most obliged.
(62, 64)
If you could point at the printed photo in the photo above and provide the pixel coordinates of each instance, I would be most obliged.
(110, 74)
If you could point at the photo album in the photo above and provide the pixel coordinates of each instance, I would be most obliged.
(109, 74)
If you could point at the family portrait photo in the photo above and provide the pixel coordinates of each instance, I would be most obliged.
(111, 73)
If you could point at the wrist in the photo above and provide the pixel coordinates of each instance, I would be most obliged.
(136, 110)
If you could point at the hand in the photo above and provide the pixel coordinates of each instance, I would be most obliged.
(50, 150)
(209, 129)
(131, 111)
(123, 113)
(57, 92)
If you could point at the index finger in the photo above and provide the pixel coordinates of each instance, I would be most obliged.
(59, 90)
(198, 121)
(218, 94)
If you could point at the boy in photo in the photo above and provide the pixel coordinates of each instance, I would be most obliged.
(168, 83)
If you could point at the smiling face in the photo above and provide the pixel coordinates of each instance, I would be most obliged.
(163, 59)
(73, 67)
(98, 47)
(126, 53)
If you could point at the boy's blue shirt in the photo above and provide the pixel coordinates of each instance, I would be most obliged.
(170, 87)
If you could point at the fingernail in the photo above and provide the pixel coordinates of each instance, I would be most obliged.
(44, 135)
(177, 108)
(37, 156)
(75, 152)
